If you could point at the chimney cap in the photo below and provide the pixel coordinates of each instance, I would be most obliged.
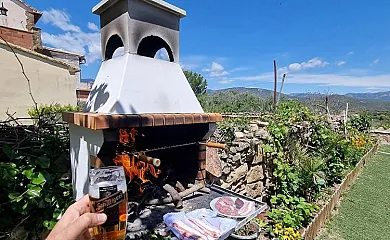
(105, 4)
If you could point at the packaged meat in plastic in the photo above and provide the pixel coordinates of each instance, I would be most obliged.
(201, 224)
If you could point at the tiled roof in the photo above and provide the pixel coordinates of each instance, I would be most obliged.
(32, 9)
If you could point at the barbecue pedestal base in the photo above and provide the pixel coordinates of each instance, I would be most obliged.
(84, 145)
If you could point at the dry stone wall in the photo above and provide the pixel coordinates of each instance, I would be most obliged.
(381, 134)
(245, 168)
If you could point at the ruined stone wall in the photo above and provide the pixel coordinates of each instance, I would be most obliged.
(381, 134)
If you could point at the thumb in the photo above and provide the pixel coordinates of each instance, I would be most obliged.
(84, 222)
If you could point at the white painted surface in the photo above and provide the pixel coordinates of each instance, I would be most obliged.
(16, 16)
(167, 6)
(83, 143)
(133, 84)
(103, 5)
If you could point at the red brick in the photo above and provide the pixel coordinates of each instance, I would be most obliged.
(147, 120)
(179, 119)
(17, 37)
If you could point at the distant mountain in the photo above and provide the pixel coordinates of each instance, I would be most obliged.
(262, 93)
(337, 102)
(384, 96)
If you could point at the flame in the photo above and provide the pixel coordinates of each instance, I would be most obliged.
(134, 168)
(125, 137)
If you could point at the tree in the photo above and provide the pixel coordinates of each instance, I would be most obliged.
(197, 82)
(234, 102)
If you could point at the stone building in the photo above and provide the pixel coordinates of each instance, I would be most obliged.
(54, 74)
(17, 24)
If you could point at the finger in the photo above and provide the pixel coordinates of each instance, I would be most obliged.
(81, 204)
(84, 222)
(76, 209)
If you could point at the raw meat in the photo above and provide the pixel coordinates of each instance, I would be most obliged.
(188, 232)
(206, 228)
(225, 205)
(246, 209)
(227, 200)
(239, 203)
(234, 206)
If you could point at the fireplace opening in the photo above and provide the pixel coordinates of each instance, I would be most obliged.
(150, 45)
(162, 164)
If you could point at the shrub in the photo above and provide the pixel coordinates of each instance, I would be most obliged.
(234, 102)
(361, 122)
(228, 126)
(35, 181)
(51, 110)
(291, 211)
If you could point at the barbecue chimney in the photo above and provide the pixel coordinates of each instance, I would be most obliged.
(137, 82)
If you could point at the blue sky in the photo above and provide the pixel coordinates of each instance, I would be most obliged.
(323, 46)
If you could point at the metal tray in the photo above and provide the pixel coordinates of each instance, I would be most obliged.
(260, 206)
(202, 200)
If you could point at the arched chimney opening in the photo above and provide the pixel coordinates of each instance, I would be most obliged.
(150, 45)
(113, 44)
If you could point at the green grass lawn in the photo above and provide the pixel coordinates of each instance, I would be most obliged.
(364, 212)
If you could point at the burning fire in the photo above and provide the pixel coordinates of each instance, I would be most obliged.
(134, 168)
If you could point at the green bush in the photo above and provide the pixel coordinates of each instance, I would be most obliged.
(361, 122)
(229, 126)
(51, 110)
(35, 181)
(291, 211)
(306, 160)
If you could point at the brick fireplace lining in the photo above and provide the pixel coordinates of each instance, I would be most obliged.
(98, 121)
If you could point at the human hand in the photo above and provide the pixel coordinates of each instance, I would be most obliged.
(76, 222)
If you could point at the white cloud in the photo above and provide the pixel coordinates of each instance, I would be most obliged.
(312, 63)
(215, 67)
(60, 19)
(340, 63)
(226, 81)
(72, 38)
(351, 53)
(188, 66)
(92, 26)
(296, 67)
(376, 61)
(193, 62)
(283, 70)
(216, 70)
(219, 74)
(266, 77)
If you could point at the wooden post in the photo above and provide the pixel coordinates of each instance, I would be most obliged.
(346, 120)
(281, 89)
(275, 82)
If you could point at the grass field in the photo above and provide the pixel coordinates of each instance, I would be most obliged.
(364, 212)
